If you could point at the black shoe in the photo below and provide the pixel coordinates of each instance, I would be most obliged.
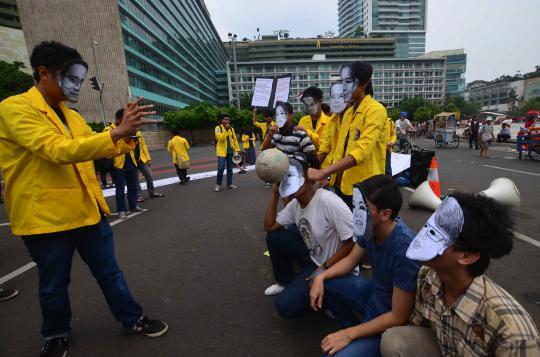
(188, 178)
(155, 194)
(55, 347)
(150, 327)
(7, 293)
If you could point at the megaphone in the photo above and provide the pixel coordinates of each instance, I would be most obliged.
(424, 197)
(237, 158)
(504, 191)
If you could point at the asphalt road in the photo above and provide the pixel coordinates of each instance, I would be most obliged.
(195, 259)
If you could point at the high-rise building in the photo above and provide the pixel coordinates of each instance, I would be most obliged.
(12, 44)
(456, 66)
(9, 16)
(165, 50)
(404, 20)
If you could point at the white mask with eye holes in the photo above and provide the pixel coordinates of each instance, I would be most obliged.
(72, 80)
(337, 99)
(362, 226)
(311, 105)
(348, 82)
(281, 116)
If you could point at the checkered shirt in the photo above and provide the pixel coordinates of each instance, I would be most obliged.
(485, 321)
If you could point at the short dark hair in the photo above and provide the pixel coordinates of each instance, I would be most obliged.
(286, 105)
(54, 56)
(384, 193)
(119, 114)
(325, 108)
(175, 132)
(223, 116)
(487, 229)
(268, 113)
(313, 92)
(362, 72)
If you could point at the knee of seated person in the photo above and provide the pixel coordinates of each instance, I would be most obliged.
(394, 342)
(284, 309)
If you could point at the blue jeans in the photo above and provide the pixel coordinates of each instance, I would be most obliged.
(346, 297)
(286, 247)
(121, 179)
(53, 253)
(222, 162)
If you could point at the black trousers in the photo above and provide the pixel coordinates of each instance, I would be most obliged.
(182, 173)
(473, 138)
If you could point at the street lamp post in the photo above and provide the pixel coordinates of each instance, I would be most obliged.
(99, 84)
(232, 37)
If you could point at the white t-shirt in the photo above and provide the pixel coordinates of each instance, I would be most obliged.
(324, 224)
(402, 125)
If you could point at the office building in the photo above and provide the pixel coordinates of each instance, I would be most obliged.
(403, 20)
(165, 50)
(393, 79)
(9, 16)
(502, 95)
(456, 67)
(12, 44)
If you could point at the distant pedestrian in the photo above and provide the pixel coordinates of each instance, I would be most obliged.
(268, 122)
(474, 127)
(144, 162)
(178, 147)
(248, 145)
(226, 147)
(504, 134)
(486, 137)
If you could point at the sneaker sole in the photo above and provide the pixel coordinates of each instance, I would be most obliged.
(151, 335)
(5, 298)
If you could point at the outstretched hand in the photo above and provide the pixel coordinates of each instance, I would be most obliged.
(134, 117)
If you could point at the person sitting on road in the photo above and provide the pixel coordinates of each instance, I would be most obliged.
(178, 147)
(324, 236)
(504, 134)
(459, 311)
(402, 130)
(385, 300)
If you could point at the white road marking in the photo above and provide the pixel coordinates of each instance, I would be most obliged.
(527, 239)
(505, 169)
(4, 224)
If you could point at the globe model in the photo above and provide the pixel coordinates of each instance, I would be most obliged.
(272, 165)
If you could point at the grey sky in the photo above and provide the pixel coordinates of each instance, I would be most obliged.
(500, 37)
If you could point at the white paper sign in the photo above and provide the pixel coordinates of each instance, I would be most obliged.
(282, 90)
(400, 163)
(262, 92)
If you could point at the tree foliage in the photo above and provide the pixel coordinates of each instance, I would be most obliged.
(12, 80)
(523, 108)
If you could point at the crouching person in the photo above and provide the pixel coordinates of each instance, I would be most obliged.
(323, 237)
(367, 307)
(459, 311)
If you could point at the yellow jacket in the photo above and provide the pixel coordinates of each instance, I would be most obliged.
(178, 146)
(120, 160)
(264, 127)
(315, 134)
(145, 155)
(328, 141)
(390, 129)
(51, 184)
(221, 140)
(246, 139)
(366, 142)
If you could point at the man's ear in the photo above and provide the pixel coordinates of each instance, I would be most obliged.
(385, 214)
(468, 258)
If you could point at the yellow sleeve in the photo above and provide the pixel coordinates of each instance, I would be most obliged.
(260, 125)
(144, 148)
(375, 121)
(186, 143)
(234, 141)
(311, 133)
(393, 137)
(325, 141)
(169, 146)
(31, 130)
(221, 135)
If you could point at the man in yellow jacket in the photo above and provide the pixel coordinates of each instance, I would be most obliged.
(52, 197)
(268, 122)
(144, 161)
(226, 147)
(178, 147)
(391, 138)
(315, 123)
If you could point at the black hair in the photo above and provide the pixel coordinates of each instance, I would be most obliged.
(313, 92)
(268, 113)
(487, 229)
(119, 114)
(223, 116)
(54, 56)
(175, 132)
(362, 72)
(384, 193)
(325, 108)
(285, 105)
(307, 159)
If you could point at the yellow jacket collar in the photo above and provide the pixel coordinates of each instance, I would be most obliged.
(38, 102)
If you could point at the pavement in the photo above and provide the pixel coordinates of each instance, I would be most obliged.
(195, 260)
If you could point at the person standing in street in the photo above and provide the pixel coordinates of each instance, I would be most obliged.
(178, 147)
(487, 135)
(53, 199)
(142, 156)
(248, 144)
(474, 127)
(268, 122)
(226, 147)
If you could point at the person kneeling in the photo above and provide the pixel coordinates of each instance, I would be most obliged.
(459, 311)
(386, 300)
(324, 236)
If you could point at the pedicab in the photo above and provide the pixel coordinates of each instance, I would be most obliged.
(444, 130)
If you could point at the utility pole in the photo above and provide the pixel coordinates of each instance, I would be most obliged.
(233, 37)
(99, 85)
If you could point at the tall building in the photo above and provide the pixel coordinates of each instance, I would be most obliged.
(12, 44)
(456, 67)
(393, 79)
(404, 20)
(9, 16)
(165, 50)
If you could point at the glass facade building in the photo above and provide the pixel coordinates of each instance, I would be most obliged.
(173, 53)
(456, 67)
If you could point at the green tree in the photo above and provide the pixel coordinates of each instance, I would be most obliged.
(12, 80)
(245, 101)
(423, 114)
(359, 32)
(97, 127)
(394, 113)
(411, 104)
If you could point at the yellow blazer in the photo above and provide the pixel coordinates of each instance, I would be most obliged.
(178, 146)
(221, 140)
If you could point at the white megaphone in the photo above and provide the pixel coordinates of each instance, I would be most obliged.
(504, 191)
(424, 197)
(237, 158)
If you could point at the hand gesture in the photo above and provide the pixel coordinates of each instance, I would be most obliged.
(133, 118)
(335, 342)
(299, 128)
(273, 129)
(316, 175)
(316, 293)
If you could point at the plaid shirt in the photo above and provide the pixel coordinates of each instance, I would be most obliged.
(485, 321)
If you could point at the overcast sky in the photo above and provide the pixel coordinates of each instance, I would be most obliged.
(499, 36)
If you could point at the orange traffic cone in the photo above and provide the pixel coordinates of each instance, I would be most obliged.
(433, 177)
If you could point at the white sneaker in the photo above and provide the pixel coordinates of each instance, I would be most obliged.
(217, 188)
(139, 209)
(232, 187)
(275, 289)
(122, 215)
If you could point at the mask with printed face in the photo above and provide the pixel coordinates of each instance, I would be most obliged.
(71, 81)
(361, 215)
(311, 105)
(281, 116)
(349, 83)
(337, 99)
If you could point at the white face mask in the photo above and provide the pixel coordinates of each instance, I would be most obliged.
(281, 117)
(349, 84)
(311, 105)
(71, 82)
(337, 99)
